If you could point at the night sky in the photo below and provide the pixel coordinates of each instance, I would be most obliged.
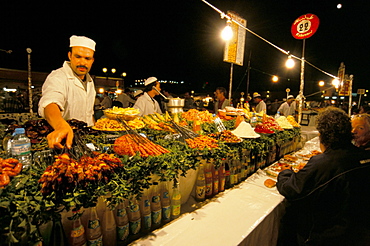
(180, 40)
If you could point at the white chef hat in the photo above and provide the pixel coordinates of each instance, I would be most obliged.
(138, 92)
(150, 80)
(256, 94)
(82, 41)
(290, 97)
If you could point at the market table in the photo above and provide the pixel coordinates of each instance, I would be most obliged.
(248, 214)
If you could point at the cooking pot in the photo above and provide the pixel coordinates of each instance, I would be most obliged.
(175, 102)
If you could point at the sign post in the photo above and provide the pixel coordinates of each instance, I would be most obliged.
(234, 48)
(303, 27)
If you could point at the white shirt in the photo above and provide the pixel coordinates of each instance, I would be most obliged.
(287, 110)
(261, 106)
(65, 89)
(125, 100)
(146, 105)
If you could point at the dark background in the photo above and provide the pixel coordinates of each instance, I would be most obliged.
(180, 40)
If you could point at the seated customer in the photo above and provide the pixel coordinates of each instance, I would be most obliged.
(327, 198)
(361, 130)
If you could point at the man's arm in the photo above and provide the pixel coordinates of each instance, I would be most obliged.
(62, 129)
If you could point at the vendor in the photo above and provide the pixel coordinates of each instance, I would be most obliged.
(146, 103)
(69, 92)
(361, 130)
(221, 100)
(288, 107)
(260, 104)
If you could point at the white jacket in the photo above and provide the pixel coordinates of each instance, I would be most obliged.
(65, 89)
(146, 105)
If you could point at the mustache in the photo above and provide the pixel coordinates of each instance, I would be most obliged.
(82, 66)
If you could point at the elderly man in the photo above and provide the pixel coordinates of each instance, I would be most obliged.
(69, 92)
(289, 107)
(146, 103)
(327, 199)
(361, 130)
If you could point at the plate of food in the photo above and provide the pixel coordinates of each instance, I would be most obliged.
(116, 113)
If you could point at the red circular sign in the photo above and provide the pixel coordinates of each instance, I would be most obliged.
(305, 26)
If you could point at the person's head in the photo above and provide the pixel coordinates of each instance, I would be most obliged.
(166, 93)
(257, 97)
(81, 55)
(364, 109)
(151, 83)
(187, 95)
(127, 91)
(334, 127)
(361, 129)
(290, 99)
(220, 93)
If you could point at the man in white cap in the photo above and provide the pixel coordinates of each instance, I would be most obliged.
(288, 108)
(260, 104)
(69, 92)
(146, 103)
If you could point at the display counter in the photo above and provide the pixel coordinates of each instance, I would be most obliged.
(248, 214)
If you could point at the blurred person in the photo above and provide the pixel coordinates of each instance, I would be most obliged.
(326, 200)
(189, 102)
(361, 130)
(97, 107)
(288, 108)
(69, 92)
(274, 106)
(364, 109)
(260, 105)
(164, 101)
(221, 100)
(107, 101)
(146, 103)
(125, 98)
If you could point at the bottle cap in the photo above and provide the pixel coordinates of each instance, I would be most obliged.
(19, 131)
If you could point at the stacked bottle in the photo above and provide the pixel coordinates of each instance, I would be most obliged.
(145, 210)
(155, 205)
(221, 177)
(122, 222)
(77, 237)
(216, 182)
(109, 228)
(94, 234)
(165, 202)
(176, 201)
(209, 179)
(200, 189)
(134, 216)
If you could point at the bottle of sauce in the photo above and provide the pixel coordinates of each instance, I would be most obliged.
(122, 223)
(176, 201)
(109, 228)
(77, 235)
(165, 202)
(146, 212)
(221, 177)
(94, 234)
(215, 173)
(134, 216)
(200, 189)
(209, 179)
(155, 206)
(58, 237)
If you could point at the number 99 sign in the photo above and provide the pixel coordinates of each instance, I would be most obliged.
(305, 26)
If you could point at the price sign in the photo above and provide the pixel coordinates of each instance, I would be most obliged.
(305, 26)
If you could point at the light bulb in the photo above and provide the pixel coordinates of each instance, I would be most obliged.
(290, 62)
(227, 33)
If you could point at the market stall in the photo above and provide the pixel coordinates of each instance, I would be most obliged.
(128, 157)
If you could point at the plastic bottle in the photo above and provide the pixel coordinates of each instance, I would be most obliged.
(146, 212)
(165, 202)
(277, 115)
(134, 216)
(176, 202)
(77, 235)
(94, 234)
(200, 189)
(109, 228)
(155, 205)
(253, 121)
(20, 146)
(122, 223)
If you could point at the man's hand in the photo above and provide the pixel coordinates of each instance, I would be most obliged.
(63, 132)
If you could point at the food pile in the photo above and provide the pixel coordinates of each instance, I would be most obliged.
(202, 116)
(263, 128)
(122, 113)
(158, 122)
(292, 121)
(106, 124)
(131, 144)
(271, 123)
(65, 173)
(8, 168)
(202, 142)
(284, 123)
(225, 136)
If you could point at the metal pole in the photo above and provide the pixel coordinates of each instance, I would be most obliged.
(301, 88)
(29, 81)
(350, 95)
(248, 71)
(231, 81)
